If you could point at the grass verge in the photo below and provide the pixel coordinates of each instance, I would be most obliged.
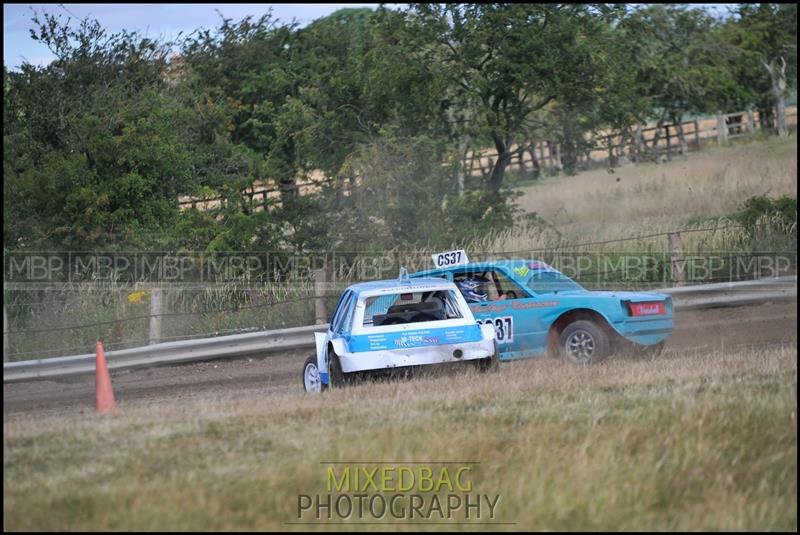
(688, 441)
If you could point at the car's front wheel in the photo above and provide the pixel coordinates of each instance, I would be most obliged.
(337, 378)
(584, 342)
(311, 379)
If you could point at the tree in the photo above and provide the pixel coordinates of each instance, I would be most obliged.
(767, 35)
(245, 70)
(361, 79)
(508, 64)
(681, 65)
(93, 153)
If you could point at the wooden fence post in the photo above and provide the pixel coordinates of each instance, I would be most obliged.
(320, 310)
(677, 264)
(639, 142)
(535, 164)
(462, 152)
(558, 156)
(156, 307)
(722, 130)
(541, 154)
(6, 341)
(471, 167)
(547, 155)
(697, 133)
(681, 138)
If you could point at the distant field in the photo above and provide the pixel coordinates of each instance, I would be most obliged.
(651, 197)
(690, 441)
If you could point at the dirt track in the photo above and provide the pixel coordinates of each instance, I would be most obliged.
(753, 326)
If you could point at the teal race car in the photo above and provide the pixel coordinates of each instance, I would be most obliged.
(535, 310)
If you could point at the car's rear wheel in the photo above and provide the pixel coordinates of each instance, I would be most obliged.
(584, 342)
(311, 379)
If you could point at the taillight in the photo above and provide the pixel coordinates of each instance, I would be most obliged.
(651, 308)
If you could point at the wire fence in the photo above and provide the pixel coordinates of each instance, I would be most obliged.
(171, 314)
(45, 326)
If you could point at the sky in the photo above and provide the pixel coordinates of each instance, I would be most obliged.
(151, 20)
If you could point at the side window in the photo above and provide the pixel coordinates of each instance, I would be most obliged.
(347, 314)
(451, 306)
(510, 288)
(458, 277)
(341, 312)
(489, 285)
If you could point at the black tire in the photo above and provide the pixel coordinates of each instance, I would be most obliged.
(308, 373)
(489, 364)
(336, 377)
(584, 342)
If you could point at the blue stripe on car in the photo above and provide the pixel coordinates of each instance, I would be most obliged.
(416, 338)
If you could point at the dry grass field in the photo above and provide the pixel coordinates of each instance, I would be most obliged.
(646, 198)
(690, 441)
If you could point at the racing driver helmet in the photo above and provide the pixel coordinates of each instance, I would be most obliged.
(473, 289)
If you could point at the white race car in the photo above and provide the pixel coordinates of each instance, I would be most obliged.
(398, 323)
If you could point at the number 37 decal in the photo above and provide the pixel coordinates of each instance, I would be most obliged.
(503, 328)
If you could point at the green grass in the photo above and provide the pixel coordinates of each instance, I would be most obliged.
(690, 441)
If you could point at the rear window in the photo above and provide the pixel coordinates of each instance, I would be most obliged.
(411, 307)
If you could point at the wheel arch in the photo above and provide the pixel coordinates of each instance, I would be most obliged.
(337, 346)
(577, 314)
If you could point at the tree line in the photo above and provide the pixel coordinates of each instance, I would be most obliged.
(100, 144)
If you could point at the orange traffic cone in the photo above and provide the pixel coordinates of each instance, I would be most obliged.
(104, 394)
